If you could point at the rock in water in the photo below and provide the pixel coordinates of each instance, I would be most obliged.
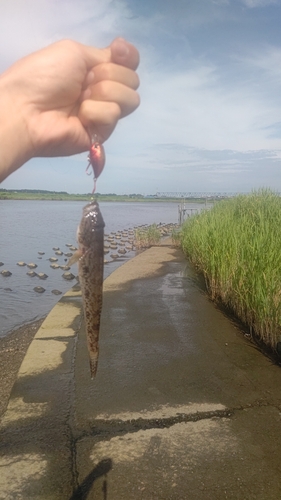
(65, 268)
(42, 276)
(32, 265)
(6, 273)
(31, 274)
(68, 276)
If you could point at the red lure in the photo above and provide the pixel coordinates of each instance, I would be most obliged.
(96, 159)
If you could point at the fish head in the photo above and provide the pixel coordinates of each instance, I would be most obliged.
(91, 223)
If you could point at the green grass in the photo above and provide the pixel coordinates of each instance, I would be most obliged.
(176, 237)
(147, 237)
(237, 246)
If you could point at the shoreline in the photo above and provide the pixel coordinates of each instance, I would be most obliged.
(13, 348)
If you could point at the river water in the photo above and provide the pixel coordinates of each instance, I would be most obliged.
(29, 227)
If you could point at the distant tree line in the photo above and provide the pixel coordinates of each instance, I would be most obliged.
(44, 191)
(35, 191)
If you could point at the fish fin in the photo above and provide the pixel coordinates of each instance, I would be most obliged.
(75, 257)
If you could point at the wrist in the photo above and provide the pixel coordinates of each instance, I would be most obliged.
(15, 146)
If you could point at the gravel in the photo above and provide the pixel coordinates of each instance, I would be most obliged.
(12, 351)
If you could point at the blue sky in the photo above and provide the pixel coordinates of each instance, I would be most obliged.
(210, 114)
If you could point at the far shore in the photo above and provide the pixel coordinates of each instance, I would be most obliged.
(38, 195)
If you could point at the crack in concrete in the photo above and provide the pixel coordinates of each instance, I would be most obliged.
(104, 430)
(110, 428)
(58, 338)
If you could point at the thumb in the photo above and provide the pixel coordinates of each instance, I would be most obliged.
(94, 56)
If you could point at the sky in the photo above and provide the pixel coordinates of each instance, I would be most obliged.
(210, 88)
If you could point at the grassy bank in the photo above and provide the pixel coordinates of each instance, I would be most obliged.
(28, 194)
(237, 246)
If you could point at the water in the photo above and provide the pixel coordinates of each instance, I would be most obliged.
(27, 227)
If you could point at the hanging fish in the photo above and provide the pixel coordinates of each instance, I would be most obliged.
(90, 257)
(90, 267)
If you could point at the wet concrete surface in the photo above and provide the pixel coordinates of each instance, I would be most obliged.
(182, 407)
(163, 342)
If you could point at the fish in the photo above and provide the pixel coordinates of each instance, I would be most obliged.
(90, 258)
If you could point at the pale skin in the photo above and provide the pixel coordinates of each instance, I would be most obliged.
(51, 100)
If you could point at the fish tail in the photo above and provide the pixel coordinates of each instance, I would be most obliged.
(93, 364)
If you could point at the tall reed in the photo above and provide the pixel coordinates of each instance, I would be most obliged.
(147, 236)
(237, 245)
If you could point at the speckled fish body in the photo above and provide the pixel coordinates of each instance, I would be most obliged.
(90, 237)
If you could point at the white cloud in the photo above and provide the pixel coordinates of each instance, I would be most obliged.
(197, 108)
(198, 93)
(26, 26)
(266, 59)
(259, 3)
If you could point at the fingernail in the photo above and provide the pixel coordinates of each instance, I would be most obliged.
(121, 47)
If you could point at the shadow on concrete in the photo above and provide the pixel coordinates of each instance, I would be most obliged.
(103, 467)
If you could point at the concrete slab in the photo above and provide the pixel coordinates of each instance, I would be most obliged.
(214, 458)
(163, 342)
(183, 406)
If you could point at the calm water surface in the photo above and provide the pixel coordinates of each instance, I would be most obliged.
(27, 227)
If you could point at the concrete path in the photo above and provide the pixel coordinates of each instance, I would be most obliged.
(183, 406)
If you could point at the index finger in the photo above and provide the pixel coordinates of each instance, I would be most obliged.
(124, 53)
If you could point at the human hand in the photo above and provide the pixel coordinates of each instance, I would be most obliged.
(53, 96)
(110, 93)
